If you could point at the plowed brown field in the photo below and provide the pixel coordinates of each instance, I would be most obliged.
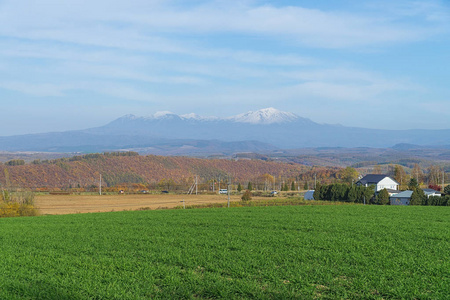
(71, 204)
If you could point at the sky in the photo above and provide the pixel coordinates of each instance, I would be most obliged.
(75, 64)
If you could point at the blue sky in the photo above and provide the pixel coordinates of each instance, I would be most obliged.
(77, 64)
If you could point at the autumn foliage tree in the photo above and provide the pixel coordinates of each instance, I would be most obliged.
(348, 174)
(247, 196)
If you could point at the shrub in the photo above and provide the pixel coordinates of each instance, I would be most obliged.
(17, 204)
(17, 210)
(247, 196)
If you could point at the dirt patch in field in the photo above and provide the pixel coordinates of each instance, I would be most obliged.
(72, 204)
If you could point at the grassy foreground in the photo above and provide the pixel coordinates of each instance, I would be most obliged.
(306, 252)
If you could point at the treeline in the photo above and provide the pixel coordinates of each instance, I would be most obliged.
(344, 193)
(85, 157)
(418, 197)
(361, 194)
(437, 201)
(15, 162)
(84, 171)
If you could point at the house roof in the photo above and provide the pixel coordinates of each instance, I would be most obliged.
(404, 194)
(374, 179)
(430, 191)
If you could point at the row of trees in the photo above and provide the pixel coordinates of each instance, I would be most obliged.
(360, 194)
(344, 193)
(418, 197)
(433, 175)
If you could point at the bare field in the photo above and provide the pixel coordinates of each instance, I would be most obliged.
(71, 204)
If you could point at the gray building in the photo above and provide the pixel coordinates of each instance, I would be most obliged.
(403, 198)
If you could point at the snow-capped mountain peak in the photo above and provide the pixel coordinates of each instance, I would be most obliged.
(265, 116)
(160, 115)
(163, 114)
(193, 116)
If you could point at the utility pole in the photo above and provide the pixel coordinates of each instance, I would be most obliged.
(196, 184)
(219, 184)
(228, 192)
(214, 185)
(100, 186)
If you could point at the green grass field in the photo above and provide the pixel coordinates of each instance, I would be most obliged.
(305, 252)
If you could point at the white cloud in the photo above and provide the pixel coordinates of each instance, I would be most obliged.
(39, 90)
(231, 52)
(138, 24)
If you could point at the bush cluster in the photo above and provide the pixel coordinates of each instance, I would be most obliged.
(17, 204)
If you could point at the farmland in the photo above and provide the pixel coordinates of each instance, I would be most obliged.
(70, 204)
(356, 251)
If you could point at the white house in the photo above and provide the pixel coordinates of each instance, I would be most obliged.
(403, 198)
(380, 182)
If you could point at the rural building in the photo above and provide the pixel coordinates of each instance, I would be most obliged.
(402, 198)
(380, 182)
(431, 192)
(309, 195)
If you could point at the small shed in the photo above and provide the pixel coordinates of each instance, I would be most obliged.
(403, 198)
(309, 195)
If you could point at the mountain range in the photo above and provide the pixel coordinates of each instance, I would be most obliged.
(256, 131)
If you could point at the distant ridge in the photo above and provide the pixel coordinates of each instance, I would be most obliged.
(190, 134)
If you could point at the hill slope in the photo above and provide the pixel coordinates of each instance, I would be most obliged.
(84, 171)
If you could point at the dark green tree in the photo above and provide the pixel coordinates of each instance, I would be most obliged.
(337, 192)
(318, 192)
(447, 190)
(249, 186)
(306, 186)
(383, 197)
(418, 197)
(239, 188)
(293, 186)
(352, 194)
(413, 184)
(367, 194)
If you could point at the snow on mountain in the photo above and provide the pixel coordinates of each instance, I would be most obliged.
(265, 116)
(193, 116)
(163, 114)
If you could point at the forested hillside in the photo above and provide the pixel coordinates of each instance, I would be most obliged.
(129, 167)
